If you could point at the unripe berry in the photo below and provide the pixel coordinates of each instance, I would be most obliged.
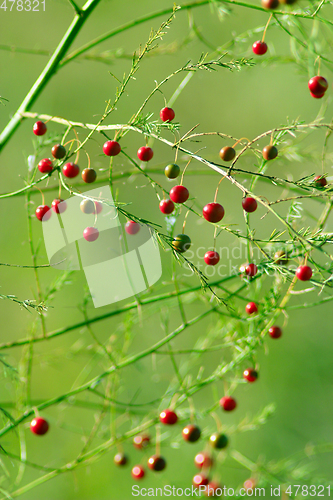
(269, 152)
(227, 153)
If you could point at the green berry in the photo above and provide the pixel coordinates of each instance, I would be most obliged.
(218, 441)
(181, 243)
(172, 171)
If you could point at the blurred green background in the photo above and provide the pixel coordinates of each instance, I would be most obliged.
(296, 373)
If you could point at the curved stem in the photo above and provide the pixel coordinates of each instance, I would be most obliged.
(49, 70)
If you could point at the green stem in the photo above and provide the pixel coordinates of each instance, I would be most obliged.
(49, 70)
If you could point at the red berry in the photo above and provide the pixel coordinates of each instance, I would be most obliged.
(141, 441)
(167, 114)
(120, 459)
(39, 426)
(168, 417)
(249, 204)
(90, 233)
(98, 207)
(138, 472)
(191, 433)
(45, 166)
(304, 273)
(39, 128)
(250, 375)
(179, 194)
(70, 170)
(202, 460)
(213, 489)
(41, 211)
(228, 403)
(320, 181)
(200, 480)
(317, 86)
(111, 148)
(89, 175)
(259, 48)
(132, 227)
(227, 153)
(56, 208)
(156, 463)
(269, 152)
(213, 212)
(58, 151)
(145, 153)
(275, 332)
(317, 96)
(167, 207)
(251, 308)
(251, 270)
(211, 258)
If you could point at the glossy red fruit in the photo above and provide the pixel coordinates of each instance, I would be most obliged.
(250, 375)
(41, 211)
(132, 227)
(227, 153)
(317, 96)
(39, 426)
(269, 152)
(39, 128)
(249, 204)
(70, 170)
(275, 332)
(90, 234)
(251, 308)
(45, 166)
(58, 151)
(202, 460)
(167, 114)
(228, 403)
(259, 48)
(89, 175)
(304, 273)
(211, 258)
(251, 270)
(179, 194)
(58, 209)
(191, 433)
(145, 153)
(213, 212)
(168, 417)
(120, 459)
(156, 463)
(200, 480)
(167, 207)
(141, 441)
(213, 489)
(320, 181)
(270, 4)
(111, 148)
(138, 472)
(318, 86)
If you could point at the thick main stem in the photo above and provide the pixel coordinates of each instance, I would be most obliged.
(49, 70)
